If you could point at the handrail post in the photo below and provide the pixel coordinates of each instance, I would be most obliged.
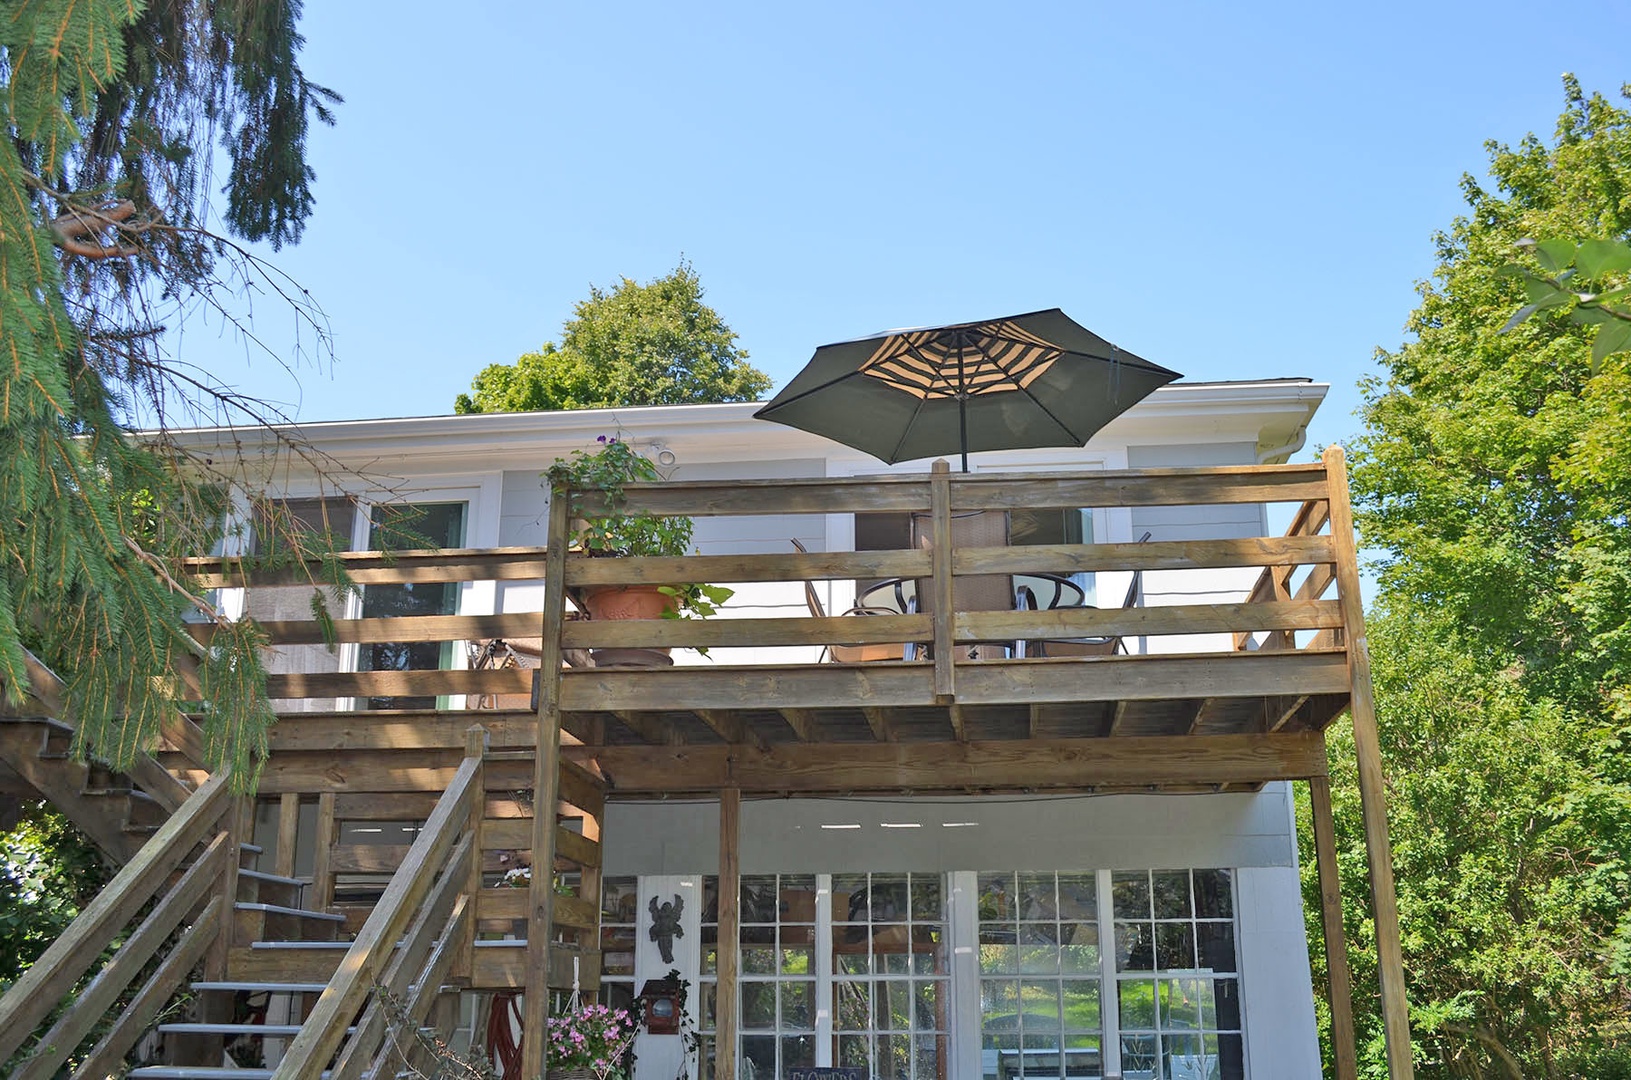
(476, 742)
(1372, 786)
(546, 782)
(945, 672)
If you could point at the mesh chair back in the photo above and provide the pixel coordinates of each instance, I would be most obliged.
(973, 529)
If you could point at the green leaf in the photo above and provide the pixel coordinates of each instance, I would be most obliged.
(1598, 257)
(1546, 294)
(1612, 337)
(1519, 316)
(1555, 255)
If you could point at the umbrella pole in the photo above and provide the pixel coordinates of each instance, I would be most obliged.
(962, 427)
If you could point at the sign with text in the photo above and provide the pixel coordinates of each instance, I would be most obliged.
(825, 1072)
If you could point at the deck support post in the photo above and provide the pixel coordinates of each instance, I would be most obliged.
(545, 794)
(730, 892)
(1339, 983)
(1372, 788)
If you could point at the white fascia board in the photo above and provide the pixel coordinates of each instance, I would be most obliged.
(1268, 413)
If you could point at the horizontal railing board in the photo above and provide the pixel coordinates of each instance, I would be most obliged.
(966, 626)
(1154, 677)
(333, 684)
(526, 624)
(744, 633)
(1032, 764)
(815, 566)
(981, 491)
(381, 568)
(1042, 558)
(352, 730)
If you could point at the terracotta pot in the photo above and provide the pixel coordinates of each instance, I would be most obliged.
(628, 602)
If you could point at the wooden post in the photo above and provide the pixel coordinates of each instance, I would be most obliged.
(322, 879)
(475, 746)
(1338, 981)
(288, 830)
(730, 936)
(945, 675)
(546, 780)
(1372, 791)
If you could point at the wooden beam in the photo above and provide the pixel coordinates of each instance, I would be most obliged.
(878, 721)
(806, 768)
(730, 885)
(803, 723)
(729, 726)
(1153, 677)
(1372, 786)
(649, 726)
(393, 729)
(1118, 716)
(1338, 982)
(959, 729)
(545, 786)
(1278, 711)
(1033, 723)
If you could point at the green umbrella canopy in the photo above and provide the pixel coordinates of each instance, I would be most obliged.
(1039, 379)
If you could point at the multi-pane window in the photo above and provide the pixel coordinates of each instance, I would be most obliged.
(777, 973)
(1040, 1007)
(1177, 991)
(619, 910)
(891, 989)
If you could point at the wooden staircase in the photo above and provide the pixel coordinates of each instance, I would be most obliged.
(284, 979)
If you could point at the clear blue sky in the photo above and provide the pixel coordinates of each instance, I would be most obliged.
(1234, 191)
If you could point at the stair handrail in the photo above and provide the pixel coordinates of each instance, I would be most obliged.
(31, 998)
(435, 853)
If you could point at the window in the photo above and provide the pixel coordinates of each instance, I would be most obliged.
(619, 911)
(1040, 1007)
(436, 524)
(1177, 992)
(891, 986)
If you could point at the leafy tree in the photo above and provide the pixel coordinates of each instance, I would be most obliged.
(1493, 478)
(651, 344)
(115, 113)
(48, 872)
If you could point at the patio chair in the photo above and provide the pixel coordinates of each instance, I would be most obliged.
(850, 654)
(1089, 646)
(974, 592)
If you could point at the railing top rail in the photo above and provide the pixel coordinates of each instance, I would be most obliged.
(976, 491)
(376, 567)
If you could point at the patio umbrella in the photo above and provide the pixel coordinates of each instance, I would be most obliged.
(1039, 379)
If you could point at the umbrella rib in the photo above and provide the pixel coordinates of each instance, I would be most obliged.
(1122, 356)
(1027, 392)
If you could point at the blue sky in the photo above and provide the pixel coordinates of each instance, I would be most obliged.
(1234, 191)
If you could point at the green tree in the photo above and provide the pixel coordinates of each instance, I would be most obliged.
(116, 112)
(651, 344)
(1493, 479)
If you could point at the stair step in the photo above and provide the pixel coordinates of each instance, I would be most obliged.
(279, 909)
(264, 987)
(341, 945)
(253, 849)
(276, 879)
(274, 1030)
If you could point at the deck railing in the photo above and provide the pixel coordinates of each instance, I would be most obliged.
(193, 903)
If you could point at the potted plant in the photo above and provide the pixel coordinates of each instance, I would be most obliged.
(589, 1042)
(606, 469)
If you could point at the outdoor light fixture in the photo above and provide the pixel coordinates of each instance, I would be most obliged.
(661, 454)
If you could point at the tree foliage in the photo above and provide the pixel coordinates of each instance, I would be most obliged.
(651, 344)
(48, 872)
(1494, 481)
(116, 113)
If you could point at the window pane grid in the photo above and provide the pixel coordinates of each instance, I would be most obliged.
(1040, 1007)
(1177, 994)
(891, 1003)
